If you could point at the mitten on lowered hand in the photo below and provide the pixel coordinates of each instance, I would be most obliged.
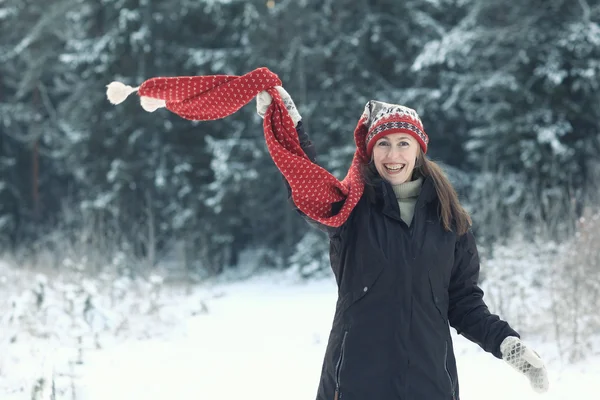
(263, 100)
(526, 361)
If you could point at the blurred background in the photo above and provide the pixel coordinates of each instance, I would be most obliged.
(508, 93)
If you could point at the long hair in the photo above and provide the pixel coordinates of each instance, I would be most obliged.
(452, 213)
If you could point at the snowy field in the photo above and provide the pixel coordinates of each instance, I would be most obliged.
(260, 339)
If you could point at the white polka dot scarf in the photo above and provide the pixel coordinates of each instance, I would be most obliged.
(210, 97)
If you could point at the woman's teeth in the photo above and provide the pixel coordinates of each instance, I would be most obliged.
(394, 168)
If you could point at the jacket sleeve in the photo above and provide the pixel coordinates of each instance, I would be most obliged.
(467, 311)
(310, 151)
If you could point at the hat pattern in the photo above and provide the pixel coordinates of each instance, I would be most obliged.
(382, 118)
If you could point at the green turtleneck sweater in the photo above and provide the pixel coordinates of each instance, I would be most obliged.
(406, 194)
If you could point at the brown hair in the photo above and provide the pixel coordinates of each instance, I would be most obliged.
(452, 213)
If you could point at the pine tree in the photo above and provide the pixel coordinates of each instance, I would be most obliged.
(30, 39)
(523, 79)
(148, 174)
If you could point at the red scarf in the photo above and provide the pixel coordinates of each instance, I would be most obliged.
(314, 189)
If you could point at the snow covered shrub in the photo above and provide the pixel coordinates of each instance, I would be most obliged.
(504, 204)
(512, 277)
(575, 290)
(311, 255)
(68, 308)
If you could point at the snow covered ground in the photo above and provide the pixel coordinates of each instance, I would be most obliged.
(259, 339)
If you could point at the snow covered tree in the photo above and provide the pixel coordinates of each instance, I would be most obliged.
(30, 38)
(523, 78)
(506, 93)
(148, 172)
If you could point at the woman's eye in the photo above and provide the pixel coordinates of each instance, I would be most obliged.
(383, 144)
(404, 144)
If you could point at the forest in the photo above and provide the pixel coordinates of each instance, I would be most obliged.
(508, 94)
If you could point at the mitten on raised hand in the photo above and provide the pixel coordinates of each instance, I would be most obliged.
(263, 100)
(526, 361)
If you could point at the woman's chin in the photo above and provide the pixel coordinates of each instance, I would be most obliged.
(396, 179)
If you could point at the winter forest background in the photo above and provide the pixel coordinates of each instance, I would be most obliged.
(509, 93)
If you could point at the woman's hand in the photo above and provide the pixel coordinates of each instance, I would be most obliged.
(526, 361)
(263, 100)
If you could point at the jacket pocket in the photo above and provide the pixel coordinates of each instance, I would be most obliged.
(338, 368)
(451, 382)
(359, 287)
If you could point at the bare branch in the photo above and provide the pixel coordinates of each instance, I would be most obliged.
(586, 10)
(47, 20)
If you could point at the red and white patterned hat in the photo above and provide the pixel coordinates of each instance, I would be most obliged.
(382, 119)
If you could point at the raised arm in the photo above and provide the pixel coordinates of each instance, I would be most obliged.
(263, 100)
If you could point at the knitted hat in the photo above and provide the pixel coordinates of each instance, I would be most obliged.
(381, 119)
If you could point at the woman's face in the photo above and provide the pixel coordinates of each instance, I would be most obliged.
(394, 156)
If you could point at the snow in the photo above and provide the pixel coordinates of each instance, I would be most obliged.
(5, 13)
(262, 338)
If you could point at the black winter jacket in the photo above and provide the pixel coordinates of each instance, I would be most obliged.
(399, 291)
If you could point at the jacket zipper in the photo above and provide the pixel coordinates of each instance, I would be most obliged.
(338, 368)
(447, 372)
(413, 225)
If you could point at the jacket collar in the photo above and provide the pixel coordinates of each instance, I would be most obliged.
(390, 203)
(428, 193)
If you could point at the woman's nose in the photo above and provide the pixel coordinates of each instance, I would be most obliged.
(394, 152)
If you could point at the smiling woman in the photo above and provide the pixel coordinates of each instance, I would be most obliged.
(397, 147)
(406, 266)
(395, 156)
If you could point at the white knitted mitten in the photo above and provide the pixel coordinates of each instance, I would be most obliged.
(526, 361)
(263, 100)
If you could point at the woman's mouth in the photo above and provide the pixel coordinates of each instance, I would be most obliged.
(394, 168)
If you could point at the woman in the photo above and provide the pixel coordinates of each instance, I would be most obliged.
(407, 268)
(403, 256)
